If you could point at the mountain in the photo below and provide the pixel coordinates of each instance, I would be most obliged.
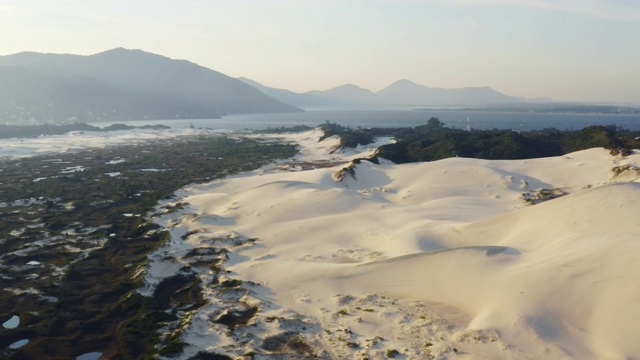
(400, 93)
(347, 94)
(405, 92)
(28, 95)
(292, 98)
(122, 84)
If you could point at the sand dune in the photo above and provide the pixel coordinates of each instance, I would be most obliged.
(442, 259)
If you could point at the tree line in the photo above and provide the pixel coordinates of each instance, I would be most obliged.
(434, 141)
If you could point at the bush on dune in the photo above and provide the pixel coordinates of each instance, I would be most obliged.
(348, 137)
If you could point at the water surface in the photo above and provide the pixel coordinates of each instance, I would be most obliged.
(481, 120)
(12, 323)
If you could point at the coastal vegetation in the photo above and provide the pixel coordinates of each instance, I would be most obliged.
(75, 232)
(434, 141)
(348, 137)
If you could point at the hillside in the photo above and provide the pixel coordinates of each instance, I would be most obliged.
(121, 84)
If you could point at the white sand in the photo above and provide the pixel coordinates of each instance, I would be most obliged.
(440, 259)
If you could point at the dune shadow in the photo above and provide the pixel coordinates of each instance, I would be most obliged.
(211, 219)
(428, 245)
(532, 183)
(489, 251)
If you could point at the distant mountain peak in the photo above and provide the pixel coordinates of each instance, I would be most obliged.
(404, 82)
(349, 94)
(125, 50)
(121, 52)
(349, 87)
(407, 93)
(402, 92)
(118, 49)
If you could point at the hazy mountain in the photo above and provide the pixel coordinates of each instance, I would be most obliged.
(293, 98)
(30, 95)
(400, 93)
(347, 94)
(124, 84)
(405, 92)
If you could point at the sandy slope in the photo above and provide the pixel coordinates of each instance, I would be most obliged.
(440, 259)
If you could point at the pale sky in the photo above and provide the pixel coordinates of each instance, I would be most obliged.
(586, 50)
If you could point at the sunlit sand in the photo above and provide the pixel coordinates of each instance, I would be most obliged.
(436, 259)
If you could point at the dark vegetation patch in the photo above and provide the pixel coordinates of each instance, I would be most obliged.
(345, 172)
(231, 283)
(189, 233)
(236, 317)
(392, 353)
(623, 169)
(433, 141)
(83, 296)
(204, 251)
(178, 291)
(540, 195)
(286, 342)
(348, 137)
(209, 356)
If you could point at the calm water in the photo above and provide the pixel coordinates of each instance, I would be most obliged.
(404, 118)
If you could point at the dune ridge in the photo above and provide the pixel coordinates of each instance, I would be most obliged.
(439, 260)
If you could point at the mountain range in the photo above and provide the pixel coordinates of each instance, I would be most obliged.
(121, 84)
(400, 93)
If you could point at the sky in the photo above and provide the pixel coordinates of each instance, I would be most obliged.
(569, 50)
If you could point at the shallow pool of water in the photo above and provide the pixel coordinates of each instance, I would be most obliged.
(89, 356)
(18, 344)
(12, 323)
